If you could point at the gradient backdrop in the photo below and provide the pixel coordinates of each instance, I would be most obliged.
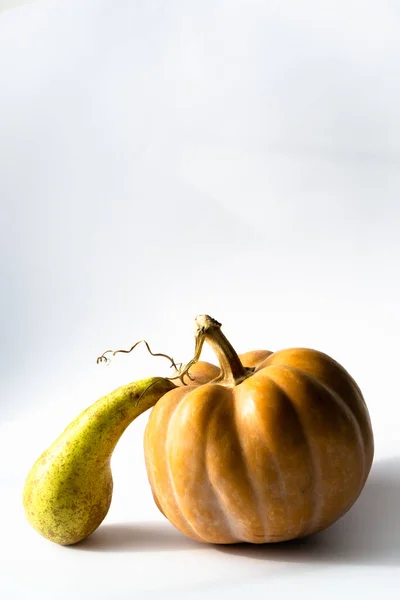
(164, 159)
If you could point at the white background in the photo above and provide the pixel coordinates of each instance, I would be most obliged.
(164, 159)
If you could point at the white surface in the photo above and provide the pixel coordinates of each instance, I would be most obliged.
(158, 160)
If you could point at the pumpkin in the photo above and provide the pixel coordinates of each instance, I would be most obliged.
(269, 447)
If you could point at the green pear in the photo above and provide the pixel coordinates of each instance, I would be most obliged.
(68, 491)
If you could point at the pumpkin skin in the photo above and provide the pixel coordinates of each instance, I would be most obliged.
(281, 455)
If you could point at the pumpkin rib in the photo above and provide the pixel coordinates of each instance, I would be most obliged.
(153, 457)
(157, 503)
(198, 519)
(214, 477)
(170, 481)
(346, 408)
(363, 439)
(254, 492)
(281, 482)
(151, 475)
(314, 467)
(228, 521)
(340, 381)
(212, 405)
(150, 472)
(265, 440)
(225, 473)
(356, 391)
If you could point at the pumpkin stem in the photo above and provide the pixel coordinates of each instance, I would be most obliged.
(209, 330)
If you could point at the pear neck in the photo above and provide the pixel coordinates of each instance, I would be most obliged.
(105, 421)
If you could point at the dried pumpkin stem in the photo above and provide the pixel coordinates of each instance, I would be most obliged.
(209, 330)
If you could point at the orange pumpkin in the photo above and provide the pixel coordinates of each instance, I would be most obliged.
(274, 450)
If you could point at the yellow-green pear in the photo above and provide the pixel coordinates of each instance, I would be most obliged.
(68, 491)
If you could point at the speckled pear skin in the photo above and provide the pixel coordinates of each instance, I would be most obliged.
(68, 491)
